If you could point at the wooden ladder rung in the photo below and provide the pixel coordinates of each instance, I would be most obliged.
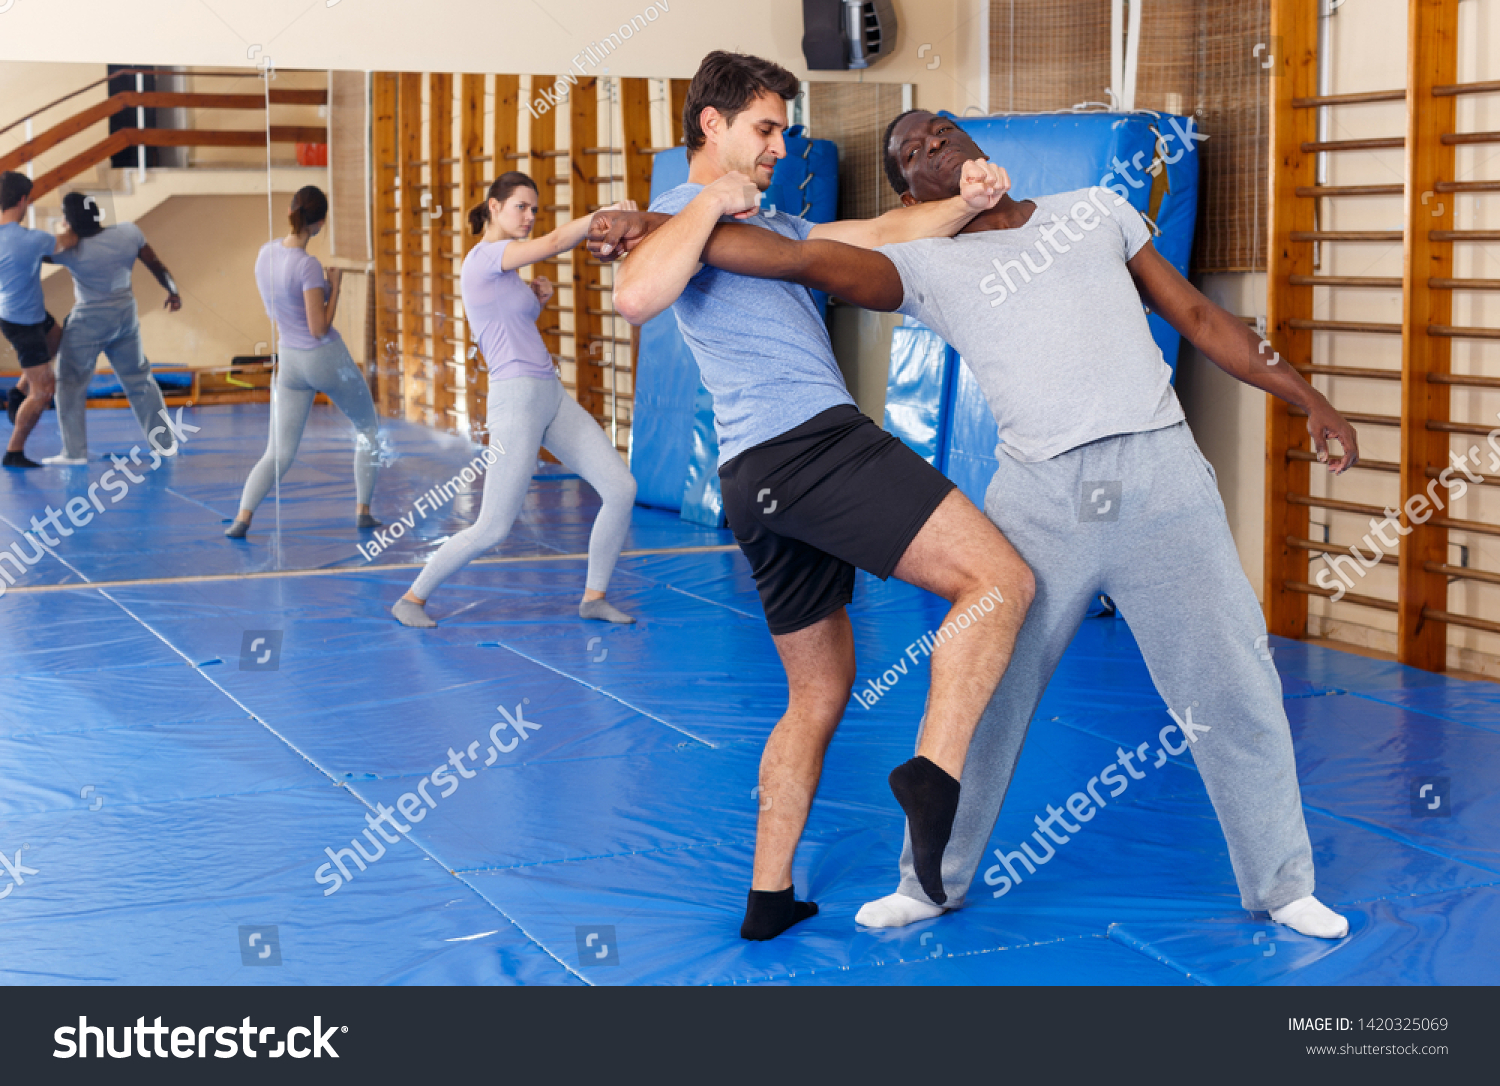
(1467, 186)
(1368, 465)
(1449, 331)
(1464, 284)
(1350, 371)
(1442, 427)
(1475, 526)
(1463, 235)
(1457, 139)
(1348, 597)
(1353, 99)
(1448, 90)
(1385, 282)
(1379, 143)
(1315, 191)
(1462, 572)
(1344, 326)
(1333, 548)
(1335, 505)
(1433, 473)
(1469, 380)
(1346, 235)
(1459, 620)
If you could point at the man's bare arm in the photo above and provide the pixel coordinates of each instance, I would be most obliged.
(980, 187)
(662, 263)
(856, 275)
(1239, 352)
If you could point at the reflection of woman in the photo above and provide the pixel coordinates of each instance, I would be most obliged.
(312, 358)
(104, 320)
(528, 407)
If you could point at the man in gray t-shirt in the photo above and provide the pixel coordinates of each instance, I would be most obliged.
(1101, 489)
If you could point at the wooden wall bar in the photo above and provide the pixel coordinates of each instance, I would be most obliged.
(442, 280)
(414, 354)
(386, 231)
(1432, 60)
(475, 179)
(588, 300)
(1295, 24)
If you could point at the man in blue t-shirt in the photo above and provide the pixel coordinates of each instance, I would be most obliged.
(812, 488)
(24, 319)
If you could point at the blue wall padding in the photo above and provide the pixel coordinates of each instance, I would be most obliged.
(702, 501)
(916, 398)
(1044, 154)
(673, 456)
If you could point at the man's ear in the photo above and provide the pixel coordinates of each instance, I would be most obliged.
(710, 121)
(908, 200)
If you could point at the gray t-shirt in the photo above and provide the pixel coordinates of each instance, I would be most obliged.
(101, 265)
(1049, 321)
(761, 344)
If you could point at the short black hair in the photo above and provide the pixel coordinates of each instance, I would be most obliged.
(730, 82)
(892, 166)
(82, 219)
(14, 187)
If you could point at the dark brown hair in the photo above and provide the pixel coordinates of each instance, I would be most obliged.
(13, 187)
(729, 82)
(309, 207)
(503, 186)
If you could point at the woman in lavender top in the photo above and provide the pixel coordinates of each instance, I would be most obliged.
(311, 358)
(528, 407)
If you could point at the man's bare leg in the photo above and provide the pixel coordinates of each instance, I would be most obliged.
(819, 664)
(40, 384)
(962, 557)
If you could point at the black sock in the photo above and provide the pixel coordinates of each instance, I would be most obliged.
(929, 796)
(768, 913)
(19, 460)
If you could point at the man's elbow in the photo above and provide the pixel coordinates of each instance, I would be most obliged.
(632, 303)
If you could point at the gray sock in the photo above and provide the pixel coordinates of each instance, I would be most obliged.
(365, 520)
(603, 610)
(411, 614)
(238, 529)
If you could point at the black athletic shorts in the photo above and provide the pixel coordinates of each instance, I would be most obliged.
(29, 340)
(810, 506)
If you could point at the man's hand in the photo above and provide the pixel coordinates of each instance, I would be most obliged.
(66, 239)
(173, 303)
(615, 233)
(735, 194)
(1323, 422)
(541, 286)
(982, 184)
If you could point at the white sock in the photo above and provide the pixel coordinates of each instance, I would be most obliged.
(896, 911)
(1310, 916)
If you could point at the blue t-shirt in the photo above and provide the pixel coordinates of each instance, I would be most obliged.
(21, 252)
(101, 265)
(761, 344)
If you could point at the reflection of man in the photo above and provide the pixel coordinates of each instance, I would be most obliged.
(812, 488)
(23, 312)
(1101, 488)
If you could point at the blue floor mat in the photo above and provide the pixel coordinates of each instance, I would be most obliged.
(539, 799)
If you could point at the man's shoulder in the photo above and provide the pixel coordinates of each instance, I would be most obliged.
(676, 198)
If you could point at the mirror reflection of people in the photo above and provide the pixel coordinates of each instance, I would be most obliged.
(24, 319)
(301, 301)
(104, 321)
(528, 407)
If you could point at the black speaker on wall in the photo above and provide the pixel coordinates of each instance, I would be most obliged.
(838, 35)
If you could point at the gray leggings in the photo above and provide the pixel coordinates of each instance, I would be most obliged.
(115, 331)
(300, 376)
(525, 414)
(1139, 517)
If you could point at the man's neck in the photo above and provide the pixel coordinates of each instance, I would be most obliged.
(703, 170)
(1006, 215)
(15, 214)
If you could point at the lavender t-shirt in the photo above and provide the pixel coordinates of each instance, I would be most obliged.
(282, 273)
(502, 312)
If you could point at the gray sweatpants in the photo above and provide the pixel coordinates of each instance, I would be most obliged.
(525, 414)
(113, 330)
(1138, 516)
(300, 376)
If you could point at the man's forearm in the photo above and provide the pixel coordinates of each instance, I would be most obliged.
(1245, 356)
(854, 274)
(934, 219)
